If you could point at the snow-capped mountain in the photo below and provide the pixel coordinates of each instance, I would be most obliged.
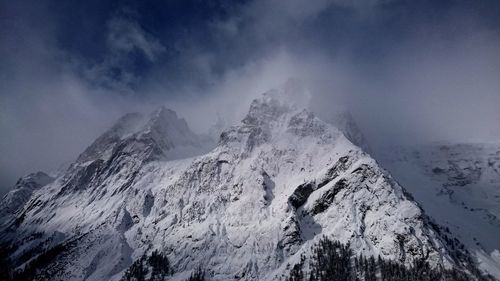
(459, 185)
(248, 209)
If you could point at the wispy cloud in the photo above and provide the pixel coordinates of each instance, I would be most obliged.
(128, 48)
(126, 36)
(407, 70)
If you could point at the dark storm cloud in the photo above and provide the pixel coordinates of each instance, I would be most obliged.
(48, 113)
(408, 70)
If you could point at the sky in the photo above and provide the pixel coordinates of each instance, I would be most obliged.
(408, 71)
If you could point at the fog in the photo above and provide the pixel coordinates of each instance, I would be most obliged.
(408, 72)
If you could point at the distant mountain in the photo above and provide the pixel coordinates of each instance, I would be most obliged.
(283, 196)
(459, 185)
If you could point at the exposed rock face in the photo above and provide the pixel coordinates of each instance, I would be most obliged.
(271, 188)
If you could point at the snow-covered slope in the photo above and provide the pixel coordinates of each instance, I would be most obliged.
(459, 185)
(272, 187)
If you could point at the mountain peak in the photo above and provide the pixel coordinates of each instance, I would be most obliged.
(165, 123)
(279, 114)
(267, 108)
(133, 142)
(345, 122)
(292, 96)
(124, 127)
(293, 92)
(163, 113)
(162, 129)
(127, 124)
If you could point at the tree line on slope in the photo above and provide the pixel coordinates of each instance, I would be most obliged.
(332, 260)
(36, 263)
(156, 267)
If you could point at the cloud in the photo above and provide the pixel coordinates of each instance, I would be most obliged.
(410, 73)
(126, 35)
(49, 112)
(129, 51)
(407, 71)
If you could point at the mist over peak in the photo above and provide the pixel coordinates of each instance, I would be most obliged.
(407, 72)
(250, 140)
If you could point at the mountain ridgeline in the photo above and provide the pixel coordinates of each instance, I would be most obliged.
(283, 195)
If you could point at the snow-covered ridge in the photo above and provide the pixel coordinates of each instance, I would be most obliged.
(125, 126)
(163, 129)
(272, 187)
(13, 201)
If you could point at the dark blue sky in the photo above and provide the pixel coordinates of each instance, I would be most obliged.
(367, 32)
(81, 27)
(422, 69)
